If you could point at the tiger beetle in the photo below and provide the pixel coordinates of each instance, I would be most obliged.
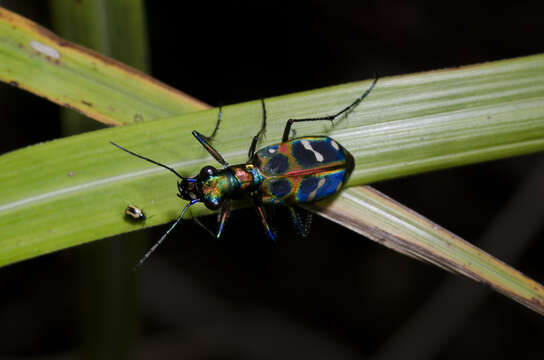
(295, 171)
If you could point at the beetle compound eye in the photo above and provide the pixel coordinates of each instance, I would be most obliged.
(207, 171)
(214, 203)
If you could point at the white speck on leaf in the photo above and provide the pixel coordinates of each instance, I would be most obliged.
(44, 49)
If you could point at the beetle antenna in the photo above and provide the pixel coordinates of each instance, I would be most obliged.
(150, 251)
(144, 158)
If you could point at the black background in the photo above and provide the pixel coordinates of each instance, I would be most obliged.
(334, 294)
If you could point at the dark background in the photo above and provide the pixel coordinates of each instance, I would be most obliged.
(334, 295)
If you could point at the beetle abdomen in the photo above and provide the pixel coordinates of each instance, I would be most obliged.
(302, 170)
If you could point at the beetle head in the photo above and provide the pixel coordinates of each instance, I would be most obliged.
(187, 189)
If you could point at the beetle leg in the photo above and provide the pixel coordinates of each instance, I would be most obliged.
(262, 215)
(216, 155)
(225, 213)
(303, 228)
(199, 223)
(259, 134)
(331, 118)
(210, 138)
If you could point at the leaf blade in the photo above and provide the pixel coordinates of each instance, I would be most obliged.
(376, 133)
(34, 59)
(380, 218)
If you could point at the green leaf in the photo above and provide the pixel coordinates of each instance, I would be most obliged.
(107, 284)
(96, 25)
(58, 194)
(74, 190)
(376, 216)
(36, 60)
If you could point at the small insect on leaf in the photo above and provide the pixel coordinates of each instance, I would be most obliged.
(134, 213)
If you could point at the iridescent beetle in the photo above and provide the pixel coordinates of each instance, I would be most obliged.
(295, 171)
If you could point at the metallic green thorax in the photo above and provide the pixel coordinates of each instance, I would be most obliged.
(229, 183)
